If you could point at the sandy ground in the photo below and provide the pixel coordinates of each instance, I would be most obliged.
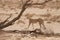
(18, 36)
(54, 26)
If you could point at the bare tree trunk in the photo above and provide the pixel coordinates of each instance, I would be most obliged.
(12, 21)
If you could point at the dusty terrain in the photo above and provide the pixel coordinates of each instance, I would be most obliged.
(19, 36)
(51, 17)
(53, 25)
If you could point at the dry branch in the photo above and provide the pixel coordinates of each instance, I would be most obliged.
(19, 16)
